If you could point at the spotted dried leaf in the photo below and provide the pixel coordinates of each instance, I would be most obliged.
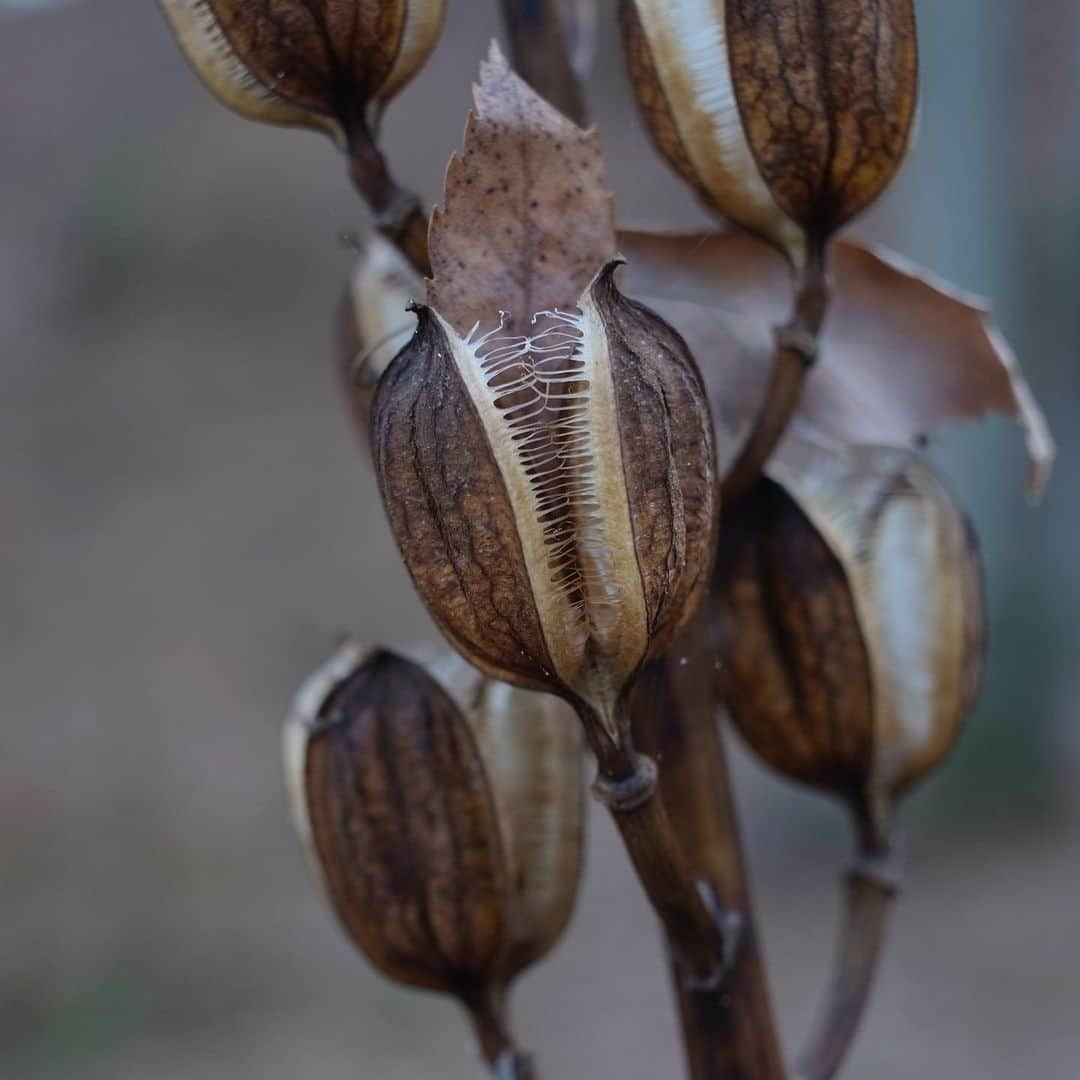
(902, 352)
(526, 219)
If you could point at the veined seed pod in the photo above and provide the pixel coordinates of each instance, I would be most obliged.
(788, 118)
(850, 623)
(445, 814)
(326, 64)
(531, 746)
(374, 323)
(552, 494)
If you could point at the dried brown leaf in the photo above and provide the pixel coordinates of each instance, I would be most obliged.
(526, 221)
(902, 352)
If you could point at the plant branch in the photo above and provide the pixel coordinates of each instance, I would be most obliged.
(399, 214)
(697, 930)
(870, 889)
(728, 1031)
(487, 1010)
(540, 55)
(796, 352)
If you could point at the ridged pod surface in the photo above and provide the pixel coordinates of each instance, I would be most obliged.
(326, 64)
(788, 117)
(850, 621)
(444, 814)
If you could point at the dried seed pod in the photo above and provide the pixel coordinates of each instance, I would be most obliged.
(788, 118)
(394, 800)
(327, 64)
(374, 323)
(850, 623)
(445, 813)
(531, 746)
(552, 494)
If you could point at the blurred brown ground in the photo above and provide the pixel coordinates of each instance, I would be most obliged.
(188, 523)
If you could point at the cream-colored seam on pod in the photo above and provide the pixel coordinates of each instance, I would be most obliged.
(423, 22)
(597, 642)
(204, 43)
(688, 43)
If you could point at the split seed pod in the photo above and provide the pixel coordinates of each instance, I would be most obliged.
(788, 118)
(552, 495)
(448, 835)
(325, 64)
(850, 623)
(549, 478)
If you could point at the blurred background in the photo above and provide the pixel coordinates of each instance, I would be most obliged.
(189, 523)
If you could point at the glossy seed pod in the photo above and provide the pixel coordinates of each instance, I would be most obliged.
(445, 817)
(788, 118)
(552, 494)
(848, 612)
(327, 64)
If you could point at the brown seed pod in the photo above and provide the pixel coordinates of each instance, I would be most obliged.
(531, 746)
(444, 812)
(552, 494)
(402, 822)
(849, 619)
(790, 117)
(326, 64)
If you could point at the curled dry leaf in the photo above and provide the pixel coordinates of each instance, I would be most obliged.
(850, 622)
(548, 474)
(790, 117)
(902, 353)
(329, 64)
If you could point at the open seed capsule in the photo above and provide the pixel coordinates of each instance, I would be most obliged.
(444, 812)
(788, 118)
(552, 494)
(327, 64)
(849, 618)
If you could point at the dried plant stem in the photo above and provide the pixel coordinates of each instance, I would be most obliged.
(729, 1030)
(869, 892)
(487, 1010)
(539, 54)
(695, 926)
(399, 214)
(796, 351)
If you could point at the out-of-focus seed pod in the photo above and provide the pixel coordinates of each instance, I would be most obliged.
(552, 494)
(390, 791)
(788, 118)
(444, 812)
(374, 323)
(327, 64)
(849, 618)
(531, 745)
